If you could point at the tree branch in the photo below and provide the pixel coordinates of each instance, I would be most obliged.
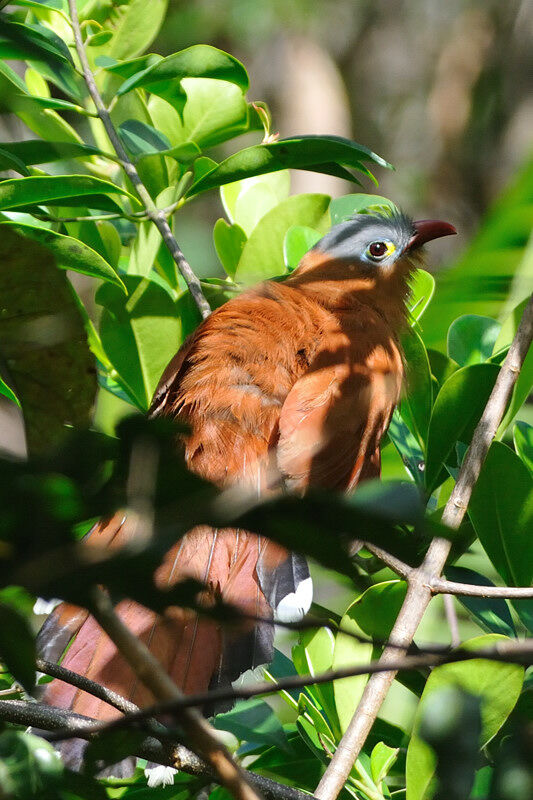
(81, 682)
(441, 586)
(399, 567)
(516, 652)
(156, 215)
(20, 712)
(419, 590)
(150, 672)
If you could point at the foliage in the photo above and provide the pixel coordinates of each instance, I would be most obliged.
(72, 208)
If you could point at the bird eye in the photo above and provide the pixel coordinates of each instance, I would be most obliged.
(378, 250)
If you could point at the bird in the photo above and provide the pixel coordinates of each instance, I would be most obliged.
(289, 386)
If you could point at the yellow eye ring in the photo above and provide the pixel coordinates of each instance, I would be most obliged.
(377, 251)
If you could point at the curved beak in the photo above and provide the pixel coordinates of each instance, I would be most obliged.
(428, 229)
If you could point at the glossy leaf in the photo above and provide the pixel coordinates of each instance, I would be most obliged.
(252, 721)
(140, 334)
(523, 442)
(299, 239)
(375, 611)
(214, 111)
(135, 30)
(262, 255)
(42, 334)
(10, 161)
(422, 288)
(313, 655)
(382, 759)
(471, 339)
(496, 683)
(416, 405)
(229, 241)
(65, 190)
(6, 391)
(17, 646)
(349, 652)
(37, 151)
(199, 61)
(501, 510)
(455, 414)
(246, 202)
(491, 613)
(142, 139)
(69, 253)
(316, 153)
(408, 447)
(342, 208)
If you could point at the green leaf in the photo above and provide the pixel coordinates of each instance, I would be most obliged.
(455, 414)
(382, 759)
(299, 239)
(496, 683)
(316, 153)
(416, 405)
(71, 190)
(110, 747)
(7, 392)
(214, 111)
(262, 255)
(43, 342)
(140, 333)
(421, 290)
(407, 446)
(10, 161)
(521, 392)
(142, 139)
(17, 646)
(69, 253)
(199, 61)
(523, 442)
(471, 339)
(29, 766)
(252, 721)
(229, 241)
(135, 30)
(246, 202)
(492, 613)
(501, 510)
(349, 652)
(343, 208)
(37, 151)
(299, 768)
(375, 611)
(43, 49)
(313, 655)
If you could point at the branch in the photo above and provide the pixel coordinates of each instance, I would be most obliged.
(153, 676)
(441, 586)
(156, 215)
(419, 590)
(399, 567)
(37, 715)
(516, 652)
(81, 682)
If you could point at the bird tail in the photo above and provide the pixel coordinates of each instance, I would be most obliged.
(247, 571)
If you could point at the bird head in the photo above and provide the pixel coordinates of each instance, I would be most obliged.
(370, 255)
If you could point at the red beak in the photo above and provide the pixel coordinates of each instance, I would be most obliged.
(428, 229)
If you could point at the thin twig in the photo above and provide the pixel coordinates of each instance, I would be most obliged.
(46, 718)
(153, 676)
(419, 591)
(91, 687)
(399, 567)
(451, 617)
(515, 652)
(158, 217)
(441, 586)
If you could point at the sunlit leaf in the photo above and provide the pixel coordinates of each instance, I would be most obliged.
(229, 241)
(299, 239)
(135, 30)
(262, 255)
(496, 683)
(316, 153)
(71, 190)
(415, 406)
(344, 208)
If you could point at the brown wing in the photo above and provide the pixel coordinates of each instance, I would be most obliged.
(335, 415)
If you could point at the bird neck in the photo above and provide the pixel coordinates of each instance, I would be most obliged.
(340, 286)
